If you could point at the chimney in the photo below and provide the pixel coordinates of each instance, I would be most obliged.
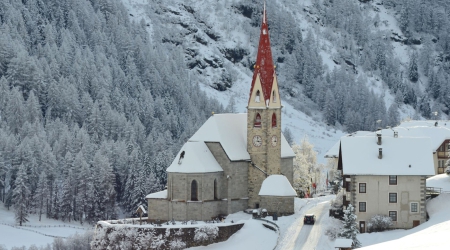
(379, 139)
(380, 153)
(395, 134)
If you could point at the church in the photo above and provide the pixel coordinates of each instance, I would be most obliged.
(234, 161)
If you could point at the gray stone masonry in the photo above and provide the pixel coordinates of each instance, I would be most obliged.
(279, 205)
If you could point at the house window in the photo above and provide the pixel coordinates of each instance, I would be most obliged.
(257, 98)
(392, 179)
(215, 190)
(194, 191)
(274, 97)
(393, 215)
(274, 121)
(362, 206)
(257, 120)
(392, 197)
(362, 187)
(414, 207)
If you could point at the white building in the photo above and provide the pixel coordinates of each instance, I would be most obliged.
(386, 175)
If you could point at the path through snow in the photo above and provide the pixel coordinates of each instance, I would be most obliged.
(295, 235)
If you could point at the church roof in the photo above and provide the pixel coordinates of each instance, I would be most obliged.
(194, 157)
(264, 63)
(276, 185)
(157, 195)
(230, 130)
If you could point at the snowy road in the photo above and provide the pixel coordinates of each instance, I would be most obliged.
(299, 236)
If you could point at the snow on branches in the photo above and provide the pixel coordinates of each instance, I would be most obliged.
(350, 229)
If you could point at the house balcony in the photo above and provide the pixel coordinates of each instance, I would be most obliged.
(443, 154)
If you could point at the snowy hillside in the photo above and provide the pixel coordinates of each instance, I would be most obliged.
(219, 41)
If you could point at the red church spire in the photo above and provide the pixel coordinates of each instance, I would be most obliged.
(264, 63)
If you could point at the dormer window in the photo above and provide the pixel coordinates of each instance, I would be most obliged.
(274, 120)
(257, 98)
(274, 97)
(257, 120)
(181, 158)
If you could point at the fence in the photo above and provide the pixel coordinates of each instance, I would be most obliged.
(24, 227)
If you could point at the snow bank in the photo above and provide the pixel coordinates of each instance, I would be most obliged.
(440, 181)
(429, 236)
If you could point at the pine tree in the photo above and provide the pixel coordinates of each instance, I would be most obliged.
(350, 229)
(41, 195)
(413, 72)
(21, 195)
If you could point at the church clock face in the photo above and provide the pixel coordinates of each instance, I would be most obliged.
(257, 141)
(274, 140)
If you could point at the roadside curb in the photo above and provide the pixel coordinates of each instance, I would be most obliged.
(277, 228)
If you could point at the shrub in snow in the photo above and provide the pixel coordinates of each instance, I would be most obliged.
(177, 244)
(350, 229)
(379, 223)
(206, 233)
(333, 228)
(338, 201)
(158, 242)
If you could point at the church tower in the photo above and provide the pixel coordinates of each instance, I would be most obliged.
(263, 119)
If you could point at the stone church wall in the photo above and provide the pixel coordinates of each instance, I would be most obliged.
(158, 209)
(287, 169)
(236, 186)
(281, 205)
(238, 205)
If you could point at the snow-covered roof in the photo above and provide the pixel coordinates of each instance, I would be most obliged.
(157, 195)
(344, 243)
(230, 130)
(194, 157)
(333, 152)
(400, 156)
(438, 131)
(142, 208)
(277, 185)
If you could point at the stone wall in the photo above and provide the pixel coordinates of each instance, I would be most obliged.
(279, 205)
(287, 169)
(164, 210)
(158, 209)
(225, 232)
(234, 187)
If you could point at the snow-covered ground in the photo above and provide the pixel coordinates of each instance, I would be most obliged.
(293, 234)
(34, 232)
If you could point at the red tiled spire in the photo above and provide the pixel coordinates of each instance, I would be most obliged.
(264, 63)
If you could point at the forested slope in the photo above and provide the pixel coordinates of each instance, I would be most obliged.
(91, 110)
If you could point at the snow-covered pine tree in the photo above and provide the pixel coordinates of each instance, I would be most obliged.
(350, 229)
(288, 135)
(41, 194)
(21, 195)
(413, 71)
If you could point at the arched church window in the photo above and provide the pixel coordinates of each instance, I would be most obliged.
(274, 120)
(257, 120)
(274, 97)
(215, 190)
(194, 191)
(257, 98)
